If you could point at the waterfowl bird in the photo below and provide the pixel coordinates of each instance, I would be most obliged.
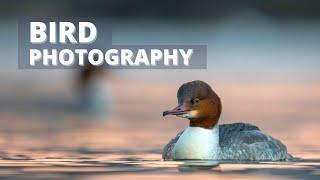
(205, 139)
(93, 94)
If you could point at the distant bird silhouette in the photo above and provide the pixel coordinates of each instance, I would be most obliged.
(91, 87)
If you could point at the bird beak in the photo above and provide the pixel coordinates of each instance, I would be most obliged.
(179, 110)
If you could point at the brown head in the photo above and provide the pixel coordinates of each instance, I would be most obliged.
(198, 103)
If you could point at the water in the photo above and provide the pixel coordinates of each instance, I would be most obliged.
(107, 164)
(41, 140)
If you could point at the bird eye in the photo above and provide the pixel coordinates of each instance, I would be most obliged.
(195, 100)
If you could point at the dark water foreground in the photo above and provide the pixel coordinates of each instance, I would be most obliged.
(84, 163)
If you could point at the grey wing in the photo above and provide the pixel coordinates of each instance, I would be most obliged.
(241, 141)
(168, 149)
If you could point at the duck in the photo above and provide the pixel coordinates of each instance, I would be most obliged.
(206, 139)
(94, 95)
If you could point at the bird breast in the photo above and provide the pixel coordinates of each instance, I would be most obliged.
(198, 143)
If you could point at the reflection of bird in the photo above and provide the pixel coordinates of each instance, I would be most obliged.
(205, 139)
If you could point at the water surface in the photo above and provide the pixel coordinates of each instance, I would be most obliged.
(41, 137)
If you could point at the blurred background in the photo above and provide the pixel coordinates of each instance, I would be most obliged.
(263, 61)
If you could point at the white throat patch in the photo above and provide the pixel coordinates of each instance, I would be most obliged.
(190, 114)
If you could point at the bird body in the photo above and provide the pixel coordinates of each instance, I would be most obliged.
(237, 141)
